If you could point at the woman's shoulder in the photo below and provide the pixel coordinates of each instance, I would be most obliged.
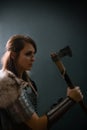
(8, 79)
(7, 76)
(5, 73)
(8, 88)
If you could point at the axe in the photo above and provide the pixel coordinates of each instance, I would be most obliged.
(56, 57)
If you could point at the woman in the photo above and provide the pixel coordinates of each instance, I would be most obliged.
(18, 93)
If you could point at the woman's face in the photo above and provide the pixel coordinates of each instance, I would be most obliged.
(26, 58)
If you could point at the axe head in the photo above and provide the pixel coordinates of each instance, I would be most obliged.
(66, 51)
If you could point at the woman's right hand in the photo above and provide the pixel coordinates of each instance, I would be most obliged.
(75, 94)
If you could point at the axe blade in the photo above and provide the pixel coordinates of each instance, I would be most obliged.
(66, 51)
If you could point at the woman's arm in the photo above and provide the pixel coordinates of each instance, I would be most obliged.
(46, 121)
(37, 123)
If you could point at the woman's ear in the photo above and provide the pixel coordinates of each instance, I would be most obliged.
(13, 55)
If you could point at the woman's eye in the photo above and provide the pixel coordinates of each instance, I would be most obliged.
(29, 53)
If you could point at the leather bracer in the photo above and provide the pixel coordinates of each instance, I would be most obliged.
(58, 111)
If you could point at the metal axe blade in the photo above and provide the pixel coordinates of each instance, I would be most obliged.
(66, 51)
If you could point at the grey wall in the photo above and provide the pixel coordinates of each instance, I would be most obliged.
(53, 25)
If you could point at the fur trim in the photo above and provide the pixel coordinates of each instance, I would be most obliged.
(10, 88)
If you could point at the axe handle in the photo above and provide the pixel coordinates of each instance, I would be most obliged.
(68, 81)
(64, 73)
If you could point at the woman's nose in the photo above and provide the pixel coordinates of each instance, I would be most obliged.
(33, 57)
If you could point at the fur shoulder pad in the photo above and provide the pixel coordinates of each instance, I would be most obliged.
(9, 88)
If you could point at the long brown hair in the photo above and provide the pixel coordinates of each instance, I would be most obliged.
(15, 44)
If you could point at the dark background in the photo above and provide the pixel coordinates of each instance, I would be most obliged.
(53, 25)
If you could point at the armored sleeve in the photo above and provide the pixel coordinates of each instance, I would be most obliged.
(22, 109)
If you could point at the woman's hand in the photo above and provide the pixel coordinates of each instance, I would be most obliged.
(75, 94)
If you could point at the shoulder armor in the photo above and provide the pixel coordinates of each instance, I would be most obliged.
(9, 88)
